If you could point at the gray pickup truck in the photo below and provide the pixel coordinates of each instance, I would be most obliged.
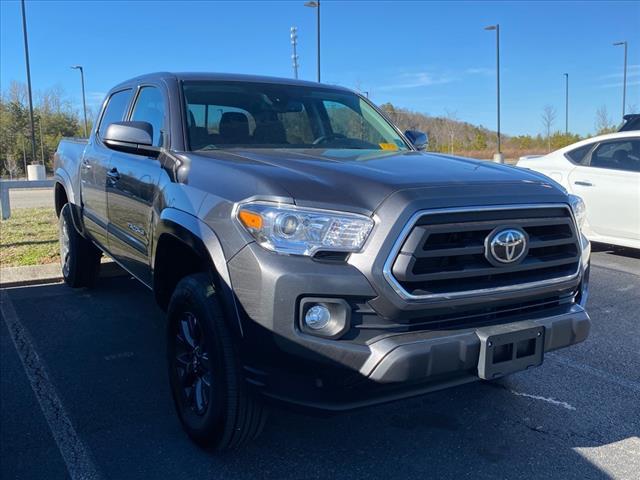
(309, 253)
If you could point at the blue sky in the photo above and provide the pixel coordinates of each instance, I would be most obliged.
(430, 57)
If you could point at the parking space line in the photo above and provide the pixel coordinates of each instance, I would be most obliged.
(609, 377)
(74, 453)
(550, 400)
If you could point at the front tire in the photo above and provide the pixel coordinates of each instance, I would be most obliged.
(79, 258)
(207, 383)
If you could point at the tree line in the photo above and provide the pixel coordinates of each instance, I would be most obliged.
(447, 134)
(54, 118)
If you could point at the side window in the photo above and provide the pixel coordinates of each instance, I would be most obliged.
(149, 107)
(579, 155)
(618, 155)
(213, 115)
(297, 126)
(115, 110)
(218, 124)
(346, 121)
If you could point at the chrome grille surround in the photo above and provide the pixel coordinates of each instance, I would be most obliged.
(411, 224)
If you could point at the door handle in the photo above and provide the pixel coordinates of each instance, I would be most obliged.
(86, 165)
(583, 183)
(113, 174)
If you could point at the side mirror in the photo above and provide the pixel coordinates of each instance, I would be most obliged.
(419, 139)
(131, 137)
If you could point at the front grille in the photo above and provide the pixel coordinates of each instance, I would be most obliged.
(443, 253)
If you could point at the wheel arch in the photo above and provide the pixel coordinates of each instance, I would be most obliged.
(62, 196)
(186, 245)
(62, 178)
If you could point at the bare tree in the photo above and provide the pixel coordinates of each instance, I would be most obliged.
(17, 93)
(452, 124)
(11, 165)
(548, 118)
(603, 123)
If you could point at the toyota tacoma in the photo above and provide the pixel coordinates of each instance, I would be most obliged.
(308, 252)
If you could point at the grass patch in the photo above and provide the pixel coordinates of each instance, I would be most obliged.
(29, 237)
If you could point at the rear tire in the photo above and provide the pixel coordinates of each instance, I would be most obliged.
(208, 387)
(79, 258)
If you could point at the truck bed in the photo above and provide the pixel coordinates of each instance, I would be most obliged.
(66, 164)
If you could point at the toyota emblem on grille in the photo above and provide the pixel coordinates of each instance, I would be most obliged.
(506, 246)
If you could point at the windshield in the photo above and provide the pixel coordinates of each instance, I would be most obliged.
(264, 115)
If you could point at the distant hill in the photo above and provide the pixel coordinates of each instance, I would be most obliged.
(450, 135)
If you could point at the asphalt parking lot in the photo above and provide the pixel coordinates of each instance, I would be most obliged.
(84, 395)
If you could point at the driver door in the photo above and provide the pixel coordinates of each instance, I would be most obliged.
(132, 187)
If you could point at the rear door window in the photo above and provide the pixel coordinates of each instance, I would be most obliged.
(617, 155)
(115, 110)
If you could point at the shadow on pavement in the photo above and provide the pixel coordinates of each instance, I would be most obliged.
(615, 250)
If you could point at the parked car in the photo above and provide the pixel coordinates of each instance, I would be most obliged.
(528, 157)
(309, 253)
(605, 172)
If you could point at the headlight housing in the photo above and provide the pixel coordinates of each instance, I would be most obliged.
(303, 231)
(579, 209)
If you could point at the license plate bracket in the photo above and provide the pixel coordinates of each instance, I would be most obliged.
(506, 349)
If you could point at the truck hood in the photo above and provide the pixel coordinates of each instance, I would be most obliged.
(362, 179)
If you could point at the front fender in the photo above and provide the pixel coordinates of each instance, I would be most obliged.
(202, 239)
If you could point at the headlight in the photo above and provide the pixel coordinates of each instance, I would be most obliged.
(303, 231)
(579, 209)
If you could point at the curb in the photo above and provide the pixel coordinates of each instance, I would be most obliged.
(44, 274)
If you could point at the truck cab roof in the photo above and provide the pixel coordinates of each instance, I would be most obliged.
(223, 77)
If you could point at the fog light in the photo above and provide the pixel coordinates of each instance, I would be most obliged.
(324, 317)
(317, 317)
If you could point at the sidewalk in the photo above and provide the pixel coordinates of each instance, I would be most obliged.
(50, 273)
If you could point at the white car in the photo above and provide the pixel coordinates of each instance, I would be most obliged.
(605, 172)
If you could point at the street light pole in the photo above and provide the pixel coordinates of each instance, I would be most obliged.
(26, 59)
(84, 101)
(566, 104)
(294, 57)
(41, 140)
(24, 157)
(316, 4)
(496, 27)
(624, 80)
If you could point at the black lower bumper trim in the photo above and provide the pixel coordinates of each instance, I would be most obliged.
(397, 359)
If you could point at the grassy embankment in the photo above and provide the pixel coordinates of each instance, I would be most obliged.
(29, 237)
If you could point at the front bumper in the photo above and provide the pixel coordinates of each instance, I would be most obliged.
(366, 366)
(428, 355)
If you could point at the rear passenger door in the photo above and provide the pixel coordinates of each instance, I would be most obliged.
(93, 169)
(609, 182)
(132, 186)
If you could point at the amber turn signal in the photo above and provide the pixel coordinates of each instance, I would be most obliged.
(250, 219)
